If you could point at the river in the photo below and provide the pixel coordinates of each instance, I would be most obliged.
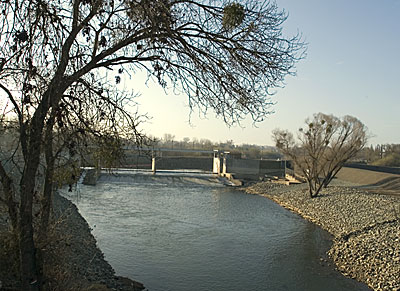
(186, 231)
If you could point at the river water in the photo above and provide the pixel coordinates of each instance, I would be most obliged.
(182, 232)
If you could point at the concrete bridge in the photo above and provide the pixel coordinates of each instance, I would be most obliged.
(168, 159)
(220, 163)
(216, 161)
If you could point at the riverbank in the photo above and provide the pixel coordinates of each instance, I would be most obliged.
(72, 259)
(365, 226)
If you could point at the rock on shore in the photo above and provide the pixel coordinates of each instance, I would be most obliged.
(365, 226)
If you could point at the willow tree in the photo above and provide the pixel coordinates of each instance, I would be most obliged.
(56, 58)
(324, 145)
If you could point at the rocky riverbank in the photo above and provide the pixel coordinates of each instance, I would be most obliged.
(72, 259)
(81, 257)
(365, 226)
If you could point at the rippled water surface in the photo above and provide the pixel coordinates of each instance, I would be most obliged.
(186, 232)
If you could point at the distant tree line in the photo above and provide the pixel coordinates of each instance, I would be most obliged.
(246, 151)
(380, 155)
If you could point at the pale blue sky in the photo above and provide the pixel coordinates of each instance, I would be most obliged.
(352, 68)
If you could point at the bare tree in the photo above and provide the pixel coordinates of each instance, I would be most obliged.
(325, 144)
(56, 58)
(78, 128)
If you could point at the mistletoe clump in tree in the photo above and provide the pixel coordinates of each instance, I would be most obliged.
(61, 63)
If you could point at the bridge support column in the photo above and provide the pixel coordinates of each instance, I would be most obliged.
(224, 165)
(153, 165)
(217, 163)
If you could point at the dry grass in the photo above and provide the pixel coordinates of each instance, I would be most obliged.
(363, 177)
(9, 261)
(54, 252)
(376, 182)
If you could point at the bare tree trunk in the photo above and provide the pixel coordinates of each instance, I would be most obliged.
(8, 190)
(46, 200)
(327, 179)
(314, 187)
(29, 276)
(318, 189)
(310, 188)
(26, 244)
(29, 273)
(49, 176)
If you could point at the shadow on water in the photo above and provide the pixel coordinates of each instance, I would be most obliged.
(186, 231)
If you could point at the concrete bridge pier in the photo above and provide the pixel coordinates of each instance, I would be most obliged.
(153, 165)
(219, 162)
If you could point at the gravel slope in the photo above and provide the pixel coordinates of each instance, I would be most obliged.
(365, 226)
